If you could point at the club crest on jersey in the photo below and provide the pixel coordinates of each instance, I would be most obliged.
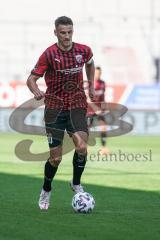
(79, 58)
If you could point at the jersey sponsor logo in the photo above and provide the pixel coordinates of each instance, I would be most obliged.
(57, 60)
(99, 92)
(70, 70)
(79, 58)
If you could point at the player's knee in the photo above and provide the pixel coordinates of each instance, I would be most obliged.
(81, 148)
(55, 161)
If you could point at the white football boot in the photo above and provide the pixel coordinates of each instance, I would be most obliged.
(44, 200)
(76, 188)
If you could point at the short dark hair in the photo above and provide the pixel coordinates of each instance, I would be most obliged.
(63, 20)
(99, 68)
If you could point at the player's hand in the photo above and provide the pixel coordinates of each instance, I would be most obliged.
(38, 95)
(92, 94)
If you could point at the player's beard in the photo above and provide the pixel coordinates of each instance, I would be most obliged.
(67, 43)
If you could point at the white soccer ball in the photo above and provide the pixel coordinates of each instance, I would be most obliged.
(83, 202)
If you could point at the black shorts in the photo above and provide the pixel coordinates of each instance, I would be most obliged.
(57, 121)
(94, 119)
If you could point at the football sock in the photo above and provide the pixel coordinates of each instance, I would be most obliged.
(49, 173)
(79, 162)
(103, 138)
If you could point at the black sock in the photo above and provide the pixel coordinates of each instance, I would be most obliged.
(79, 161)
(49, 173)
(103, 138)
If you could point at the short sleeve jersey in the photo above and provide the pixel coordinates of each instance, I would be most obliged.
(99, 91)
(63, 74)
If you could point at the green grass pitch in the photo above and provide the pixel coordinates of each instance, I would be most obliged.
(127, 194)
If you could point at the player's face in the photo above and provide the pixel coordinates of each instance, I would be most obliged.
(97, 74)
(64, 34)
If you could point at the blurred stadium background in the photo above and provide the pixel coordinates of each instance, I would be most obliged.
(124, 36)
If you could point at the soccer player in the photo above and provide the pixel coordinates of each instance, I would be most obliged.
(65, 102)
(99, 88)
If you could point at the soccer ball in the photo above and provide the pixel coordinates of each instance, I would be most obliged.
(83, 202)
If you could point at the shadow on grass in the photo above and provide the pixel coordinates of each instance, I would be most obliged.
(119, 213)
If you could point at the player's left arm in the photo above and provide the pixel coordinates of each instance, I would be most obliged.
(90, 70)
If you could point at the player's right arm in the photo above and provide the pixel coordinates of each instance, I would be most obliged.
(37, 72)
(33, 87)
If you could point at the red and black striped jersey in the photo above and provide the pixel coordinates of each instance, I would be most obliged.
(63, 73)
(99, 97)
(99, 90)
